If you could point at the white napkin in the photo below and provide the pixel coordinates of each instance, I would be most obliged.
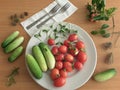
(56, 18)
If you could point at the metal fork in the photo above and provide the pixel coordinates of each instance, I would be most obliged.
(52, 11)
(61, 10)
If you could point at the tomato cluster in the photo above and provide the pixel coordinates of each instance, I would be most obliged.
(68, 56)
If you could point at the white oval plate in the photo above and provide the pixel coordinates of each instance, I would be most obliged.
(77, 78)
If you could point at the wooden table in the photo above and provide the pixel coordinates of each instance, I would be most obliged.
(23, 80)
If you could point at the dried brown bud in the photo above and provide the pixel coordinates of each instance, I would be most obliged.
(109, 58)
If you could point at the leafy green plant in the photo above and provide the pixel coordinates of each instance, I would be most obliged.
(98, 11)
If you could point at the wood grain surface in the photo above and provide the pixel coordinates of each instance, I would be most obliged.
(23, 80)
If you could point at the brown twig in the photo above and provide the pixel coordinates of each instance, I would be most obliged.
(113, 22)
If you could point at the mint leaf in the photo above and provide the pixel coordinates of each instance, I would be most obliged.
(89, 7)
(110, 11)
(106, 35)
(102, 32)
(104, 26)
(94, 2)
(98, 17)
(94, 32)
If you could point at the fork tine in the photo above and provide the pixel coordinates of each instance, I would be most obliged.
(54, 9)
(66, 6)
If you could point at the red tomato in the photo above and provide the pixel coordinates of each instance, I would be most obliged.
(51, 41)
(62, 49)
(59, 82)
(73, 51)
(80, 45)
(54, 74)
(59, 65)
(66, 43)
(68, 66)
(78, 65)
(54, 50)
(63, 73)
(72, 37)
(69, 57)
(59, 57)
(82, 57)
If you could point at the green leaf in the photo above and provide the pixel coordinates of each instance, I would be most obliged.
(100, 5)
(101, 17)
(45, 30)
(75, 31)
(106, 18)
(94, 32)
(59, 43)
(36, 35)
(110, 11)
(98, 17)
(104, 26)
(102, 32)
(103, 3)
(51, 26)
(89, 8)
(106, 35)
(94, 2)
(55, 30)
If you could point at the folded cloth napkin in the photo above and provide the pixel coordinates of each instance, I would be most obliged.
(56, 18)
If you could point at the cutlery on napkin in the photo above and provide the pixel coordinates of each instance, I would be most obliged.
(57, 18)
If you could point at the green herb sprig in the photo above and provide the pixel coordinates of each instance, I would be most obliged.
(98, 11)
(102, 31)
(58, 33)
(10, 79)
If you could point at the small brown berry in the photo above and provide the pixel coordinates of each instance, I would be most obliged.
(26, 13)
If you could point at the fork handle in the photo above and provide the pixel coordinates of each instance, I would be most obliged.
(32, 24)
(42, 23)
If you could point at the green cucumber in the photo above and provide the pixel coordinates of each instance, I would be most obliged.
(105, 75)
(37, 53)
(50, 60)
(18, 41)
(18, 51)
(9, 39)
(33, 66)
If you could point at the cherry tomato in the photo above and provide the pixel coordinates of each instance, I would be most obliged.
(72, 37)
(59, 82)
(63, 49)
(54, 74)
(73, 51)
(54, 50)
(66, 43)
(59, 57)
(80, 45)
(59, 65)
(51, 41)
(63, 73)
(78, 65)
(68, 66)
(69, 57)
(82, 57)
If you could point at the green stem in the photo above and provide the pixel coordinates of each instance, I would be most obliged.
(113, 22)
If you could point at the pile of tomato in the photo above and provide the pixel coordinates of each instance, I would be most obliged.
(69, 56)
